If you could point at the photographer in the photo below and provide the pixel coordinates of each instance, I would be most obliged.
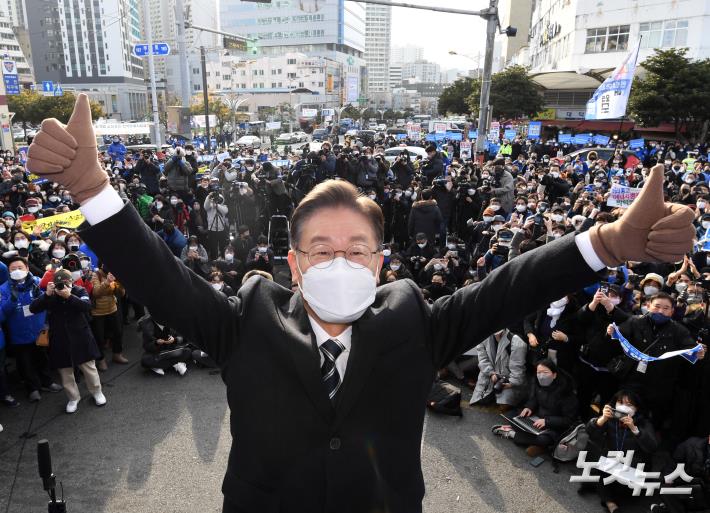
(194, 256)
(403, 169)
(217, 224)
(425, 217)
(261, 257)
(434, 166)
(178, 172)
(401, 206)
(501, 377)
(71, 343)
(367, 169)
(149, 172)
(419, 253)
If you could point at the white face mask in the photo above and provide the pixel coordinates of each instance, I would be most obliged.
(338, 293)
(497, 227)
(85, 264)
(625, 409)
(494, 207)
(421, 245)
(521, 208)
(230, 176)
(22, 243)
(487, 219)
(32, 210)
(701, 205)
(395, 267)
(217, 286)
(706, 224)
(471, 192)
(58, 253)
(18, 274)
(229, 257)
(558, 218)
(650, 291)
(386, 252)
(681, 286)
(158, 205)
(75, 275)
(173, 201)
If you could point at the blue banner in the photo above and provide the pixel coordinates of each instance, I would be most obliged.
(564, 138)
(629, 350)
(534, 129)
(430, 138)
(510, 134)
(282, 163)
(582, 139)
(473, 134)
(602, 140)
(454, 136)
(636, 143)
(440, 137)
(401, 136)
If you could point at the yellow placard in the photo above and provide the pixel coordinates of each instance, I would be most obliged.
(546, 114)
(71, 219)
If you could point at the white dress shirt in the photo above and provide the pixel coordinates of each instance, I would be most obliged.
(108, 202)
(341, 362)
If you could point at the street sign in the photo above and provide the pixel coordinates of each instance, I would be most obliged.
(142, 50)
(58, 91)
(47, 86)
(9, 71)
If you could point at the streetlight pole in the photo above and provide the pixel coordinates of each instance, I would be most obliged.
(151, 72)
(491, 26)
(205, 97)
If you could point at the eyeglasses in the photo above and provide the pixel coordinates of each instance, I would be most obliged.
(321, 256)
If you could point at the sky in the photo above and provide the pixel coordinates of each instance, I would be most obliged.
(438, 32)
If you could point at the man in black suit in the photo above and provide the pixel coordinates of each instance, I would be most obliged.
(327, 385)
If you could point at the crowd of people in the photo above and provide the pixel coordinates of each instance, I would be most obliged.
(449, 222)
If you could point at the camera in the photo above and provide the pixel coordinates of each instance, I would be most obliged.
(502, 380)
(618, 414)
(60, 286)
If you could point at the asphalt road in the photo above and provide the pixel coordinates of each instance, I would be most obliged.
(161, 445)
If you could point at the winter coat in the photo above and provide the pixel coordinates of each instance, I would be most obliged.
(434, 167)
(23, 326)
(176, 241)
(445, 200)
(150, 175)
(508, 360)
(104, 295)
(661, 376)
(216, 215)
(71, 341)
(613, 436)
(596, 346)
(555, 403)
(425, 217)
(504, 190)
(403, 173)
(200, 265)
(177, 171)
(693, 452)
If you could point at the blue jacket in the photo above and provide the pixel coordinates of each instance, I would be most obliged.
(117, 151)
(23, 327)
(4, 274)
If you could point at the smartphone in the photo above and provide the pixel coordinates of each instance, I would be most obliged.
(604, 289)
(537, 461)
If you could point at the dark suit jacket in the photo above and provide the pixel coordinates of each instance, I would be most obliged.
(293, 451)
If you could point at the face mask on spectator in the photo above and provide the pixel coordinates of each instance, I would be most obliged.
(521, 208)
(650, 290)
(75, 275)
(217, 285)
(706, 224)
(407, 193)
(386, 252)
(21, 243)
(18, 274)
(471, 192)
(555, 174)
(173, 201)
(85, 264)
(495, 207)
(229, 257)
(59, 253)
(497, 227)
(614, 300)
(701, 205)
(73, 246)
(487, 219)
(9, 223)
(32, 210)
(681, 286)
(395, 267)
(625, 409)
(545, 379)
(421, 244)
(158, 205)
(558, 218)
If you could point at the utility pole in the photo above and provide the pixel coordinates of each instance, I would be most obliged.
(205, 97)
(185, 91)
(491, 28)
(151, 72)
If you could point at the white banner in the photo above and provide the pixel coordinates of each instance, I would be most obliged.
(199, 121)
(610, 99)
(309, 113)
(118, 128)
(273, 125)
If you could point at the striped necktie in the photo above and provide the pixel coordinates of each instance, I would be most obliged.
(331, 349)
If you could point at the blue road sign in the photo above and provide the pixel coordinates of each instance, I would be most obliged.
(47, 86)
(142, 50)
(58, 91)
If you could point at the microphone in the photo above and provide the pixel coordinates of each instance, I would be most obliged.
(44, 465)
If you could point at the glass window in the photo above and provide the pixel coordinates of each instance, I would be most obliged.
(607, 39)
(664, 34)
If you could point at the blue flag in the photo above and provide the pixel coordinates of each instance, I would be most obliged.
(629, 350)
(610, 99)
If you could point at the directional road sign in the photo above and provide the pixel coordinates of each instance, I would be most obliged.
(58, 91)
(142, 50)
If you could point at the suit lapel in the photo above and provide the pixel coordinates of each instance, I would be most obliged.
(303, 349)
(363, 355)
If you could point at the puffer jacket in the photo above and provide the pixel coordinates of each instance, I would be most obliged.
(425, 216)
(177, 171)
(216, 215)
(103, 295)
(555, 403)
(23, 327)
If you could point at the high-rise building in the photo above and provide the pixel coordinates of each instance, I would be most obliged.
(408, 53)
(10, 49)
(377, 46)
(421, 71)
(15, 10)
(89, 48)
(395, 75)
(334, 29)
(512, 13)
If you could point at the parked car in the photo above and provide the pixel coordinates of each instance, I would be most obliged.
(310, 146)
(285, 138)
(372, 126)
(250, 141)
(382, 127)
(606, 154)
(300, 136)
(320, 134)
(352, 132)
(391, 154)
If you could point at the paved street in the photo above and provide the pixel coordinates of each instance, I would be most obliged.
(161, 444)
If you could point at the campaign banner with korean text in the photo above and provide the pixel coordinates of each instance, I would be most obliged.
(71, 219)
(622, 196)
(610, 99)
(534, 129)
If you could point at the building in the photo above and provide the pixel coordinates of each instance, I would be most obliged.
(10, 49)
(409, 53)
(395, 75)
(377, 47)
(15, 10)
(513, 13)
(333, 29)
(575, 44)
(89, 49)
(403, 99)
(267, 82)
(422, 71)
